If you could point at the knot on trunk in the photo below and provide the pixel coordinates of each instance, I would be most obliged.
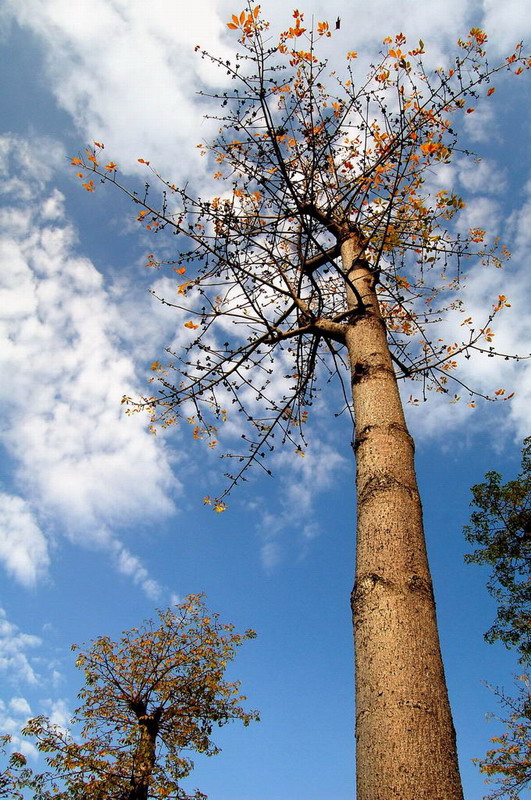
(421, 585)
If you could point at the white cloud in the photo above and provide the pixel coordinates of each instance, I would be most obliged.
(131, 566)
(507, 24)
(23, 546)
(128, 76)
(15, 661)
(13, 716)
(20, 706)
(58, 712)
(482, 176)
(304, 478)
(80, 462)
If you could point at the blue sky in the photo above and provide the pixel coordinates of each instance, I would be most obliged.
(101, 522)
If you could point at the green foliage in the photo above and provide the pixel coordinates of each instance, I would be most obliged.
(502, 528)
(149, 699)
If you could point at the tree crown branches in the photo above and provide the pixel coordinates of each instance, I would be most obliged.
(307, 160)
(149, 699)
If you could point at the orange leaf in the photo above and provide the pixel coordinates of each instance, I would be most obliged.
(180, 270)
(232, 26)
(141, 161)
(256, 12)
(491, 91)
(76, 161)
(470, 110)
(191, 325)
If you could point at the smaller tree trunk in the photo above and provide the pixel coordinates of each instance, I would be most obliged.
(145, 758)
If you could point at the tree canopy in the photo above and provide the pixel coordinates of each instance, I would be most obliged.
(149, 700)
(306, 160)
(508, 763)
(501, 526)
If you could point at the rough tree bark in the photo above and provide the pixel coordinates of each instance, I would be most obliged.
(405, 739)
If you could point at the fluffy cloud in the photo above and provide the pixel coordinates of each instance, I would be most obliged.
(80, 461)
(15, 646)
(128, 76)
(304, 479)
(23, 546)
(507, 24)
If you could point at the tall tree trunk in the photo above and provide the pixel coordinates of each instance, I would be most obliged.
(405, 739)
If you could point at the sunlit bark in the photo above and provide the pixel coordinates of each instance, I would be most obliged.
(404, 732)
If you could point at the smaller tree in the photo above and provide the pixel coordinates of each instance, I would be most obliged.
(508, 763)
(502, 528)
(148, 699)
